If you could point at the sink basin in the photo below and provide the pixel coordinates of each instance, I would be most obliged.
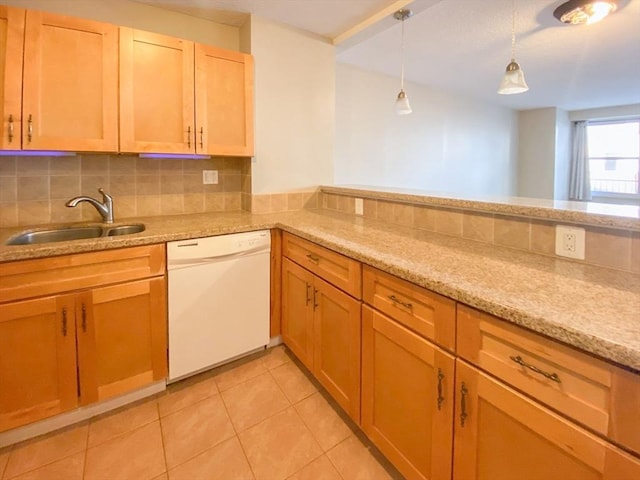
(64, 234)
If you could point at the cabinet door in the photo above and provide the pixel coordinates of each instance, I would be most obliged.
(37, 360)
(224, 102)
(156, 93)
(336, 347)
(70, 96)
(297, 312)
(500, 433)
(122, 338)
(11, 45)
(407, 397)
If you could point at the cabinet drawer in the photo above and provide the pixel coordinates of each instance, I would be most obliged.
(600, 396)
(46, 276)
(341, 271)
(431, 315)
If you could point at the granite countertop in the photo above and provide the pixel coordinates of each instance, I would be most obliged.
(592, 308)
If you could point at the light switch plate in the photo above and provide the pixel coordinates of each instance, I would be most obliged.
(210, 177)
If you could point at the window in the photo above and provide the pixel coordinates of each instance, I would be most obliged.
(614, 158)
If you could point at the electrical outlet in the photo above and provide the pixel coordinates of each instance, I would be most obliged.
(359, 206)
(209, 177)
(570, 242)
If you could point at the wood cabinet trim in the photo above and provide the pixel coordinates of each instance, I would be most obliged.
(11, 102)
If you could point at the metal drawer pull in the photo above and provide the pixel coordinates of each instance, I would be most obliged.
(202, 138)
(30, 128)
(313, 258)
(440, 397)
(551, 376)
(64, 321)
(189, 136)
(463, 404)
(308, 296)
(315, 299)
(10, 128)
(395, 299)
(84, 318)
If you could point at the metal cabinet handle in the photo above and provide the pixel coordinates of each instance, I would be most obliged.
(551, 376)
(440, 397)
(202, 138)
(315, 299)
(30, 128)
(395, 300)
(308, 296)
(84, 318)
(10, 134)
(189, 136)
(313, 258)
(64, 321)
(463, 404)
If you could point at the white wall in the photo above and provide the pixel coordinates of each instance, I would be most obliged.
(294, 105)
(131, 14)
(536, 152)
(448, 143)
(562, 167)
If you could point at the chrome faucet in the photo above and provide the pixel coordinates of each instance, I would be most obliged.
(105, 208)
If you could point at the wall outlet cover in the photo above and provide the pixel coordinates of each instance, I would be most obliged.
(209, 177)
(359, 206)
(570, 242)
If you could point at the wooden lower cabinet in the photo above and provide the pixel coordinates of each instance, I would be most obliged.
(97, 343)
(407, 397)
(321, 326)
(500, 435)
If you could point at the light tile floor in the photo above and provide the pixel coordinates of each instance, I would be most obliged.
(257, 419)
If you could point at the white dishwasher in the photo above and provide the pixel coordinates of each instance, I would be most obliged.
(218, 300)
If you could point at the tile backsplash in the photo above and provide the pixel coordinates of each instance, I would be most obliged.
(34, 190)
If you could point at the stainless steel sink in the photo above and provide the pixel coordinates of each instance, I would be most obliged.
(64, 234)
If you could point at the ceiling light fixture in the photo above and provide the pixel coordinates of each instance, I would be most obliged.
(579, 12)
(402, 102)
(513, 80)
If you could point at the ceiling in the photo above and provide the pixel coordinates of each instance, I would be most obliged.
(464, 45)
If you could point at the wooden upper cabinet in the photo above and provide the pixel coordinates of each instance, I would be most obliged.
(11, 48)
(156, 93)
(70, 93)
(224, 101)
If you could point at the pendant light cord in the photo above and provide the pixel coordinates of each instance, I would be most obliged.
(402, 58)
(513, 30)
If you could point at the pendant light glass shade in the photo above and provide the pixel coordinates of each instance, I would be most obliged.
(402, 101)
(402, 104)
(513, 80)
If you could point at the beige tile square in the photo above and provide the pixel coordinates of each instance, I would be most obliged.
(215, 163)
(385, 211)
(69, 468)
(232, 202)
(261, 203)
(477, 226)
(225, 461)
(66, 166)
(608, 247)
(8, 166)
(279, 446)
(448, 222)
(61, 213)
(246, 184)
(193, 166)
(94, 165)
(122, 184)
(8, 214)
(346, 204)
(253, 401)
(370, 208)
(113, 424)
(275, 357)
(148, 205)
(185, 393)
(171, 184)
(193, 184)
(214, 202)
(293, 382)
(147, 166)
(237, 374)
(353, 461)
(125, 206)
(424, 218)
(246, 202)
(89, 184)
(147, 184)
(512, 232)
(33, 188)
(193, 202)
(194, 429)
(47, 449)
(32, 166)
(232, 182)
(295, 201)
(279, 202)
(320, 469)
(312, 200)
(330, 201)
(171, 204)
(8, 189)
(171, 166)
(543, 237)
(635, 252)
(324, 423)
(403, 214)
(233, 165)
(30, 213)
(121, 165)
(137, 454)
(64, 187)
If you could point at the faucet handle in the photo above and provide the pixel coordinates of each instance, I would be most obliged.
(107, 201)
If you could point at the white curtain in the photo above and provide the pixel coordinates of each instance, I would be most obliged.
(580, 181)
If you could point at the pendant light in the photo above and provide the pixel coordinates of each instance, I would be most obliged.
(402, 101)
(513, 80)
(579, 12)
